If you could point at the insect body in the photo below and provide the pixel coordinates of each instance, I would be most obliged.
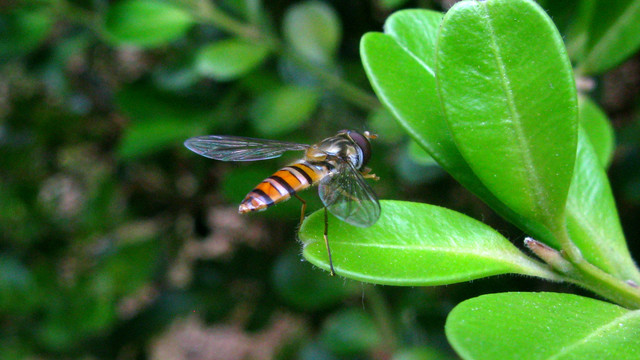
(336, 164)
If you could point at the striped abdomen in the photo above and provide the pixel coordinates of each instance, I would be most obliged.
(282, 185)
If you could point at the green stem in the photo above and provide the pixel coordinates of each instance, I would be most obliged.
(207, 12)
(348, 91)
(595, 279)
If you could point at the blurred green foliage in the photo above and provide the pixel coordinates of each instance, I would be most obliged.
(112, 233)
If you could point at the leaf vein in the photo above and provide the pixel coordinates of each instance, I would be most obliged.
(532, 176)
(597, 332)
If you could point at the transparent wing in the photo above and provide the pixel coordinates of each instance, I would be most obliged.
(235, 148)
(348, 196)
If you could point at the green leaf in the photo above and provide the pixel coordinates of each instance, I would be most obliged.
(612, 35)
(416, 31)
(230, 59)
(543, 326)
(577, 32)
(405, 83)
(414, 244)
(23, 30)
(158, 120)
(514, 121)
(146, 23)
(313, 29)
(421, 353)
(397, 68)
(592, 218)
(282, 110)
(598, 129)
(349, 332)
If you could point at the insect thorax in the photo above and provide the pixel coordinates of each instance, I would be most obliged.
(336, 147)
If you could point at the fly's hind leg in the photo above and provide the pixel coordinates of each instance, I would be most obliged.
(326, 229)
(326, 240)
(304, 208)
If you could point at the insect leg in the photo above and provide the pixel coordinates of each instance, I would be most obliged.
(366, 173)
(304, 208)
(326, 240)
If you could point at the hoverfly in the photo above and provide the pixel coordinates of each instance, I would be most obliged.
(336, 164)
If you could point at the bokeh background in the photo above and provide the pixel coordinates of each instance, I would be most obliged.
(118, 243)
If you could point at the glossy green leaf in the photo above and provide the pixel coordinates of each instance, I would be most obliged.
(313, 29)
(416, 32)
(230, 59)
(612, 35)
(349, 332)
(598, 129)
(416, 245)
(405, 83)
(514, 121)
(282, 110)
(592, 218)
(397, 68)
(146, 23)
(543, 326)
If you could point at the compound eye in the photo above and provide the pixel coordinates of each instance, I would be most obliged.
(363, 144)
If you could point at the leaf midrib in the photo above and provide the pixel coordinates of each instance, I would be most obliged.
(510, 258)
(540, 202)
(595, 333)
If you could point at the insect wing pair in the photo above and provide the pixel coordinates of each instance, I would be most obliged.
(340, 178)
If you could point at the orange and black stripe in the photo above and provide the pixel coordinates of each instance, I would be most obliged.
(282, 185)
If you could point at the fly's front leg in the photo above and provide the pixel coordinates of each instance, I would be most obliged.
(366, 173)
(326, 240)
(303, 210)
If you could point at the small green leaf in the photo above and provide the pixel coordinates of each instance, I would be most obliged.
(416, 245)
(598, 129)
(405, 82)
(592, 218)
(421, 353)
(282, 110)
(158, 120)
(146, 23)
(349, 332)
(313, 29)
(23, 30)
(230, 59)
(145, 137)
(514, 121)
(543, 326)
(612, 35)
